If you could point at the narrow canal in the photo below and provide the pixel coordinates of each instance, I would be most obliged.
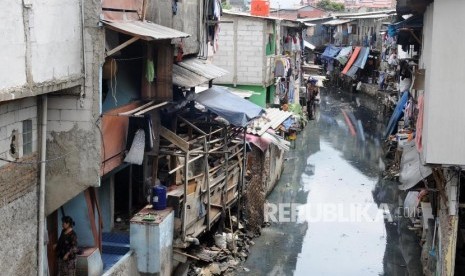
(338, 225)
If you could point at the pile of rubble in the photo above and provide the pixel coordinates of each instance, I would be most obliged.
(224, 257)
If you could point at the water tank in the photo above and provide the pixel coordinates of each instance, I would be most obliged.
(159, 197)
(260, 7)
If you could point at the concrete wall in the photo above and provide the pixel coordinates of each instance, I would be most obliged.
(41, 42)
(12, 115)
(186, 20)
(126, 266)
(443, 119)
(242, 50)
(18, 228)
(72, 125)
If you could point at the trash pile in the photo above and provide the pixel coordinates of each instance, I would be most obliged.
(224, 255)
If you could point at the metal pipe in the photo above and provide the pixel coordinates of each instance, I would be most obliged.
(43, 152)
(184, 202)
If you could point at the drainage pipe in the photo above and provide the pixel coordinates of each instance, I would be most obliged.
(43, 150)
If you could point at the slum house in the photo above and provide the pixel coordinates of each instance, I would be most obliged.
(305, 11)
(430, 165)
(280, 48)
(250, 48)
(161, 163)
(49, 147)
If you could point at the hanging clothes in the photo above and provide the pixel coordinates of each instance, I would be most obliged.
(419, 125)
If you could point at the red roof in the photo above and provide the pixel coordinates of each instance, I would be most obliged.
(312, 14)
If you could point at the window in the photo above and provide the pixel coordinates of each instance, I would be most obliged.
(27, 137)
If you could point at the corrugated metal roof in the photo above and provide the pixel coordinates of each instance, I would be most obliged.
(372, 16)
(272, 119)
(186, 78)
(145, 30)
(193, 72)
(336, 22)
(203, 68)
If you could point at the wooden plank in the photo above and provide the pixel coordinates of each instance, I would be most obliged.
(130, 112)
(182, 165)
(192, 125)
(151, 108)
(175, 139)
(121, 46)
(90, 211)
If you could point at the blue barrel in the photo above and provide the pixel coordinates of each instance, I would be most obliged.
(159, 197)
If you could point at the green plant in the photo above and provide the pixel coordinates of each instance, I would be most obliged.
(328, 5)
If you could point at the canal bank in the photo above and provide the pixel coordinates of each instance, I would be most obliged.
(331, 168)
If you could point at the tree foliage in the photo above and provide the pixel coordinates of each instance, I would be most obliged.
(328, 5)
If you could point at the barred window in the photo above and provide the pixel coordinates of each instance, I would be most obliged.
(27, 137)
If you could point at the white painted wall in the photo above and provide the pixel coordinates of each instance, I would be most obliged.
(444, 118)
(12, 59)
(56, 39)
(12, 115)
(250, 50)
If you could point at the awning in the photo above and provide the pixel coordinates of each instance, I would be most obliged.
(186, 78)
(309, 45)
(236, 110)
(193, 72)
(336, 22)
(144, 30)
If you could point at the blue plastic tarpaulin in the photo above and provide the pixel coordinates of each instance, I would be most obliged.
(330, 52)
(414, 22)
(397, 114)
(236, 110)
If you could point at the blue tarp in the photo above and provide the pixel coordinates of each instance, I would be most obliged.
(236, 110)
(330, 52)
(414, 22)
(397, 114)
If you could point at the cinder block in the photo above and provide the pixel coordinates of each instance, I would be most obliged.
(13, 106)
(59, 126)
(7, 119)
(76, 115)
(28, 102)
(53, 115)
(62, 102)
(3, 108)
(27, 113)
(3, 135)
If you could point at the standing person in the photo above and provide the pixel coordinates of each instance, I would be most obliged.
(312, 92)
(67, 248)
